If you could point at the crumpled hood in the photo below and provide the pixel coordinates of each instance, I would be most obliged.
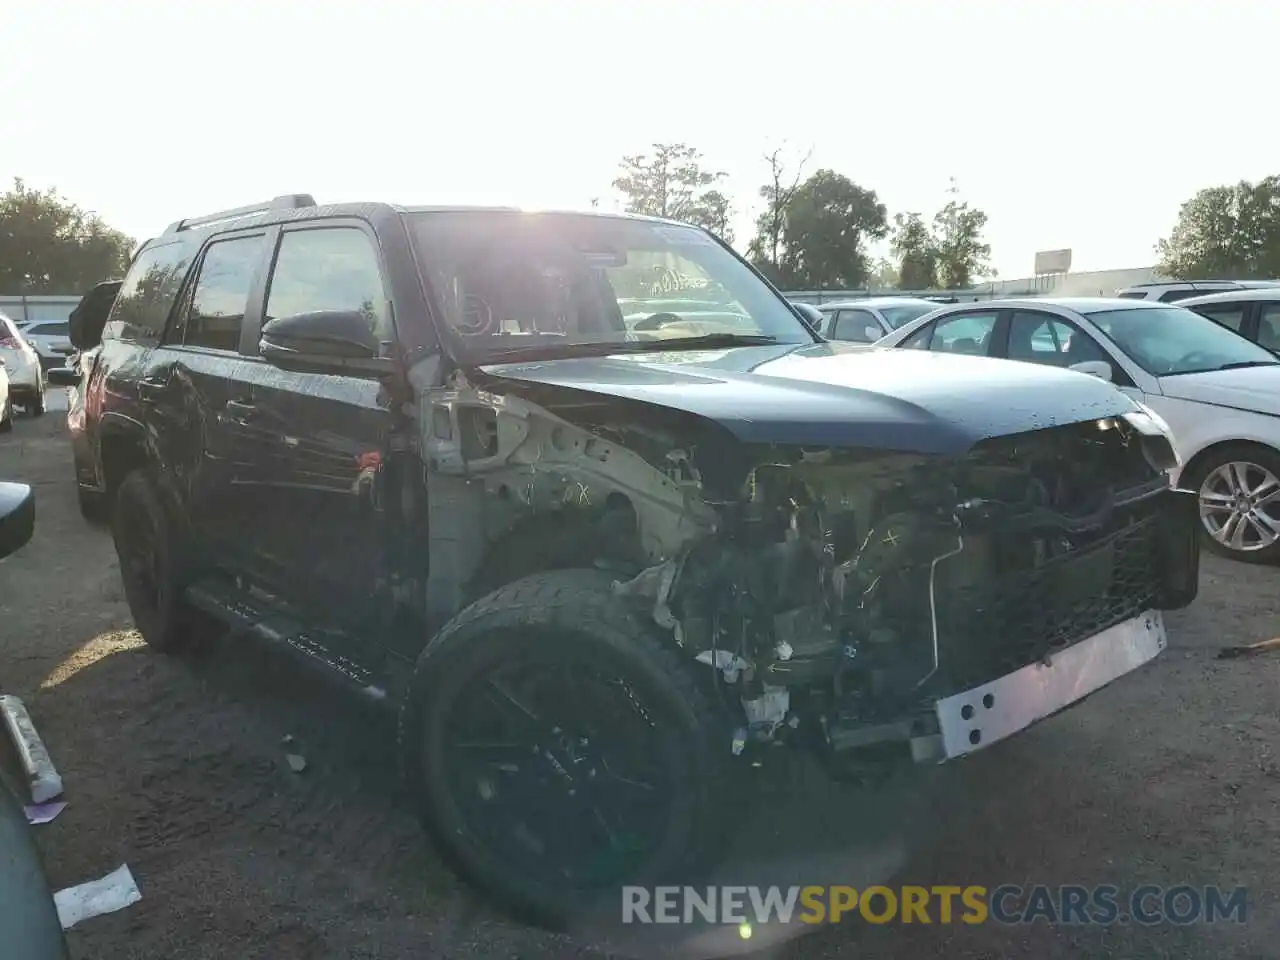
(826, 395)
(1251, 388)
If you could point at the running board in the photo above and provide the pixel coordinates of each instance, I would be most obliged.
(317, 648)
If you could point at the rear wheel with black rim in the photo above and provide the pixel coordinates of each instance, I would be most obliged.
(557, 749)
(154, 566)
(1238, 486)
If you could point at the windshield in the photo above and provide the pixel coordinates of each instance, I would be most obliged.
(1165, 341)
(898, 314)
(511, 280)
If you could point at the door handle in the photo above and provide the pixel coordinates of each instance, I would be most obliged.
(149, 391)
(240, 410)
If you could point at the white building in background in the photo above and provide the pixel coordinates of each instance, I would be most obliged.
(1089, 283)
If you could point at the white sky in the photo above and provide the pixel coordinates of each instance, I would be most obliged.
(1078, 125)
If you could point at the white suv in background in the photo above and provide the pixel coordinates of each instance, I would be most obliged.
(1168, 292)
(22, 366)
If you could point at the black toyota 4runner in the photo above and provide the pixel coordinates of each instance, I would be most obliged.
(590, 504)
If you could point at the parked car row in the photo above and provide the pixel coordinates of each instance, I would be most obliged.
(1204, 365)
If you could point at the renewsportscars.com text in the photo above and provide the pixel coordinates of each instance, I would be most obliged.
(972, 904)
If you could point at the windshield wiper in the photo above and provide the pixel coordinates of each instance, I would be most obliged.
(1241, 364)
(593, 348)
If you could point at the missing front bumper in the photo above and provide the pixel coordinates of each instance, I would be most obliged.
(993, 711)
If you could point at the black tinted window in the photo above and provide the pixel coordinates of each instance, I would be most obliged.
(1171, 295)
(1134, 295)
(1269, 326)
(150, 287)
(856, 325)
(333, 268)
(1230, 315)
(221, 293)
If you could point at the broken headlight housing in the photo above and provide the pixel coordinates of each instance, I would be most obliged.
(1157, 437)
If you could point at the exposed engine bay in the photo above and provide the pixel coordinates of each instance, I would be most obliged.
(834, 595)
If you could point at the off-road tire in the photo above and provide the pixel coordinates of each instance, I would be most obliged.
(574, 609)
(167, 623)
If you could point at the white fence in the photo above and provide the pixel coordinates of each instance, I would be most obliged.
(38, 308)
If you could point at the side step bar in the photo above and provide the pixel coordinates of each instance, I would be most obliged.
(317, 649)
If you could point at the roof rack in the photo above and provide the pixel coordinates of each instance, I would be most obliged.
(287, 201)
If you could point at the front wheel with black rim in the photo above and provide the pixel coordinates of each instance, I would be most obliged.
(1239, 491)
(557, 749)
(153, 565)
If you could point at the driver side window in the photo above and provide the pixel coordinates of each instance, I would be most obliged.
(968, 333)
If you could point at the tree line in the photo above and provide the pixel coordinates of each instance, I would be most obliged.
(814, 232)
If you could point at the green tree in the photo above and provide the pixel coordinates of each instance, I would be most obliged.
(48, 245)
(828, 223)
(1226, 231)
(884, 274)
(957, 237)
(671, 182)
(765, 249)
(713, 212)
(917, 255)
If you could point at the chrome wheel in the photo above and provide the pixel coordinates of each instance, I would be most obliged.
(1240, 506)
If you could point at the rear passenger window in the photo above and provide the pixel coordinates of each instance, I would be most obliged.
(1228, 314)
(329, 268)
(149, 289)
(221, 293)
(1269, 327)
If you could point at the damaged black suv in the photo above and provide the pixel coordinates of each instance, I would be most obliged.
(591, 505)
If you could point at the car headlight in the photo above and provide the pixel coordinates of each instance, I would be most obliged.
(1157, 436)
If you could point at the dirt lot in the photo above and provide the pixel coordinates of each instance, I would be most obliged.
(176, 768)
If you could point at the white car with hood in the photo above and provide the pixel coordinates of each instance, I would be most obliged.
(22, 368)
(1218, 392)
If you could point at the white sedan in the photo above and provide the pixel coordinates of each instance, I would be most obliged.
(1218, 392)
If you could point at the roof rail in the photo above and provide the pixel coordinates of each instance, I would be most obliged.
(287, 201)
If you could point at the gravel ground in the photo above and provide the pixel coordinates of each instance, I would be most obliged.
(175, 766)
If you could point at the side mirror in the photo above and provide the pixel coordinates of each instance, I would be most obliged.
(17, 516)
(326, 341)
(62, 376)
(1095, 368)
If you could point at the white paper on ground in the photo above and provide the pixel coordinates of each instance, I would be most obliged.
(113, 892)
(44, 812)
